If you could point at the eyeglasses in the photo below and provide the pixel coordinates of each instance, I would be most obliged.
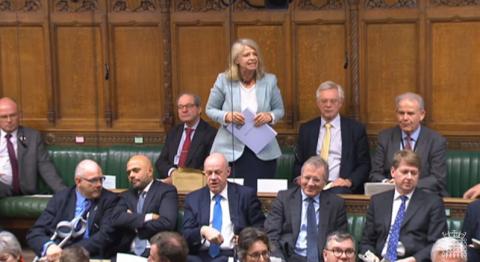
(257, 255)
(187, 106)
(95, 180)
(331, 101)
(338, 252)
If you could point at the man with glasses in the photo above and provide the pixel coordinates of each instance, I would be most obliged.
(187, 144)
(340, 246)
(402, 224)
(300, 218)
(88, 205)
(340, 141)
(23, 156)
(216, 213)
(149, 207)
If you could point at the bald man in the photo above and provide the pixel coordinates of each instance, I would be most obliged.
(87, 200)
(149, 207)
(23, 157)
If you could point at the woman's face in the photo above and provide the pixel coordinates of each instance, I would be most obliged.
(7, 257)
(258, 251)
(248, 59)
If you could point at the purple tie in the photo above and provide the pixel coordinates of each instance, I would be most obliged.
(14, 163)
(408, 143)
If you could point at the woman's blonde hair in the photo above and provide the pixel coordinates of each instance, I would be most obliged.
(233, 71)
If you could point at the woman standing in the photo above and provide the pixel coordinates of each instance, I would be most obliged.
(245, 85)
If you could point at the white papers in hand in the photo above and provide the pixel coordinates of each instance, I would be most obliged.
(256, 138)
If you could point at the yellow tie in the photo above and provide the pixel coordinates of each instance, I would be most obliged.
(326, 142)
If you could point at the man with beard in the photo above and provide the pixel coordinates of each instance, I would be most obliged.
(149, 207)
(89, 204)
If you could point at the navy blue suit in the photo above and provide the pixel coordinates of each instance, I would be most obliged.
(199, 148)
(471, 226)
(355, 161)
(62, 207)
(245, 211)
(423, 224)
(161, 199)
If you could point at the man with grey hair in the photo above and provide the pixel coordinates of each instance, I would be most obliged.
(340, 246)
(449, 249)
(292, 225)
(188, 143)
(341, 141)
(10, 249)
(410, 134)
(87, 204)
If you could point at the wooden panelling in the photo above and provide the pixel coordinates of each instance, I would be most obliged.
(79, 77)
(390, 69)
(201, 53)
(137, 76)
(54, 55)
(455, 70)
(317, 61)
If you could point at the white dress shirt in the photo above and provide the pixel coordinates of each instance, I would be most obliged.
(5, 166)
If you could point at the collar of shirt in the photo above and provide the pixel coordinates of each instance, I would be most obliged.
(335, 122)
(13, 138)
(194, 127)
(224, 194)
(414, 136)
(146, 189)
(316, 198)
(397, 195)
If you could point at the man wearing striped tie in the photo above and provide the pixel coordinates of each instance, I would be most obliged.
(216, 213)
(402, 224)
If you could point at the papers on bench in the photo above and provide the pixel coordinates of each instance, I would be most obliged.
(256, 138)
(271, 185)
(372, 188)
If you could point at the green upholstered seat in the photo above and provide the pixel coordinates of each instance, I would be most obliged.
(285, 164)
(23, 206)
(463, 171)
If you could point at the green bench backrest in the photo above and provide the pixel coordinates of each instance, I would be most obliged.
(463, 171)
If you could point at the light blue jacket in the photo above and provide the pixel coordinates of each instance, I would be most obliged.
(220, 102)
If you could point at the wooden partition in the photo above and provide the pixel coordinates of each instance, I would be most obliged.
(111, 70)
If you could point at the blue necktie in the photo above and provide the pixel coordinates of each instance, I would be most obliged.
(312, 233)
(214, 249)
(395, 231)
(140, 244)
(87, 204)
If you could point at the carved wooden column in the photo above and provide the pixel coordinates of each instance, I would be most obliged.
(353, 56)
(168, 114)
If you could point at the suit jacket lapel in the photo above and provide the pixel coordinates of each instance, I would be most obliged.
(346, 146)
(196, 139)
(260, 93)
(421, 143)
(324, 207)
(295, 205)
(233, 206)
(387, 206)
(21, 147)
(205, 206)
(413, 206)
(315, 134)
(150, 196)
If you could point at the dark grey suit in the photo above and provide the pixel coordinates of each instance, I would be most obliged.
(431, 147)
(33, 160)
(284, 220)
(422, 225)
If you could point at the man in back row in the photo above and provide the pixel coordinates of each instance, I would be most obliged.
(340, 141)
(23, 156)
(430, 146)
(187, 144)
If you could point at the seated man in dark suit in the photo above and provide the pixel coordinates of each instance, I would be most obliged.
(187, 144)
(293, 221)
(340, 141)
(149, 207)
(215, 214)
(23, 157)
(430, 146)
(402, 224)
(89, 204)
(471, 227)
